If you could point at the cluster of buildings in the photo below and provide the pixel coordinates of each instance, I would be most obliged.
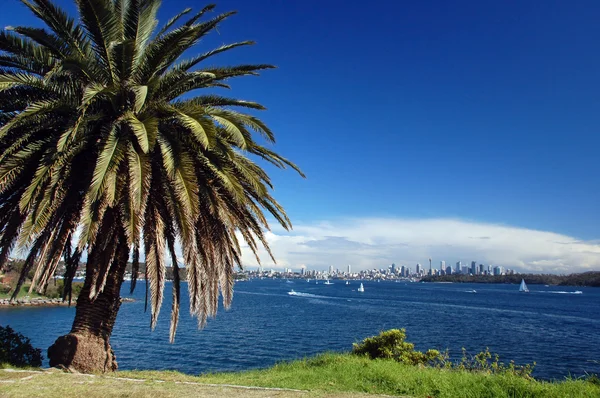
(391, 272)
(465, 269)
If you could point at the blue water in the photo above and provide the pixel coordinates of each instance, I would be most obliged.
(550, 325)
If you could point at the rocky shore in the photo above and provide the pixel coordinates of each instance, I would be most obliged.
(39, 301)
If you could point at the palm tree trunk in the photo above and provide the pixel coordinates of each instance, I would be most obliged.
(87, 347)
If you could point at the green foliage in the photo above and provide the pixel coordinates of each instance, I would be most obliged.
(55, 289)
(487, 362)
(390, 344)
(4, 289)
(16, 349)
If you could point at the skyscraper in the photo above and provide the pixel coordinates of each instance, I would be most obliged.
(458, 267)
(418, 269)
(393, 268)
(481, 270)
(473, 268)
(349, 269)
(331, 270)
(442, 264)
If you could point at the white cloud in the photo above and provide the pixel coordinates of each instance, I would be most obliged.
(375, 242)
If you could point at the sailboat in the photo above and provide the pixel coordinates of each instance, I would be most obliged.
(523, 287)
(328, 283)
(361, 288)
(347, 283)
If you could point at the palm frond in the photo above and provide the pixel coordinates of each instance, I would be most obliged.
(104, 140)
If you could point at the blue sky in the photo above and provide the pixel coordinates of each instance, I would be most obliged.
(479, 111)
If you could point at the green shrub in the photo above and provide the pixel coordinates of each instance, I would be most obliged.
(487, 362)
(5, 288)
(391, 345)
(16, 349)
(55, 290)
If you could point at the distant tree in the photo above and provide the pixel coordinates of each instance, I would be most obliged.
(99, 134)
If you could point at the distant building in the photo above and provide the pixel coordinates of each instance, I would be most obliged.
(481, 269)
(349, 269)
(442, 264)
(497, 270)
(473, 268)
(331, 270)
(458, 267)
(418, 269)
(448, 270)
(393, 268)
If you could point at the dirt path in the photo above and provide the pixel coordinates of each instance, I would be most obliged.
(55, 384)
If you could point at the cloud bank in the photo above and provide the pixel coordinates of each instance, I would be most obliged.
(375, 243)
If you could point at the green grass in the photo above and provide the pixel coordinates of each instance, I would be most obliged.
(349, 373)
(22, 293)
(327, 375)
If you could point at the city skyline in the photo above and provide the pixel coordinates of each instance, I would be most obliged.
(368, 243)
(417, 268)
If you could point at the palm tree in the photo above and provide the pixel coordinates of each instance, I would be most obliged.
(105, 154)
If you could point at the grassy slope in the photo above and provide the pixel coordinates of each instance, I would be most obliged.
(347, 373)
(22, 293)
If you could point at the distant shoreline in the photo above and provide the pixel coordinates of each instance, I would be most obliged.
(45, 302)
(586, 279)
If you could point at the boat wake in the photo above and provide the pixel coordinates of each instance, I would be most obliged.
(562, 292)
(309, 295)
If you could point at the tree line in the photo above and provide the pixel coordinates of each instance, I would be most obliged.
(582, 279)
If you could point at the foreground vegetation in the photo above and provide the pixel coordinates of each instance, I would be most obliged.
(328, 375)
(382, 364)
(584, 279)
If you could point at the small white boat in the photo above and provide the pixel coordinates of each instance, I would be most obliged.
(347, 283)
(523, 288)
(361, 288)
(292, 293)
(327, 282)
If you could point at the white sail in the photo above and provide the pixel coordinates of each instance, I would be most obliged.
(523, 287)
(361, 288)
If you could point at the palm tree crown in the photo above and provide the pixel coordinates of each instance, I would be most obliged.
(103, 154)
